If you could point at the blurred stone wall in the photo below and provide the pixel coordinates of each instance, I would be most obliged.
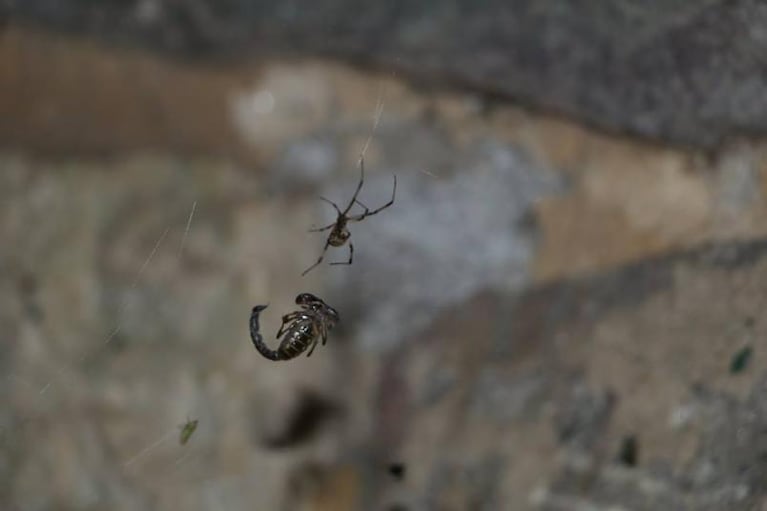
(669, 70)
(540, 297)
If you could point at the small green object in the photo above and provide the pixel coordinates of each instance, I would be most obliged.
(187, 429)
(740, 360)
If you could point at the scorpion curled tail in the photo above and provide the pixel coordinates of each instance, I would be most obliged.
(258, 340)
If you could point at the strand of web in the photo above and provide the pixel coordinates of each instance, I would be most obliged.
(125, 302)
(191, 452)
(142, 453)
(120, 310)
(14, 377)
(156, 444)
(145, 451)
(376, 119)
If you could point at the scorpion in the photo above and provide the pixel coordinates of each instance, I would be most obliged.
(302, 329)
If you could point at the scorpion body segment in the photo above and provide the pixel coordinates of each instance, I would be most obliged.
(300, 330)
(258, 340)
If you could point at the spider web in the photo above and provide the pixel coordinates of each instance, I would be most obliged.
(55, 392)
(153, 443)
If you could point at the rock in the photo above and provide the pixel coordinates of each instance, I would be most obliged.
(538, 293)
(670, 71)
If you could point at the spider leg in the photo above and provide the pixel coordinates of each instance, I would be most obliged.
(319, 259)
(324, 335)
(351, 256)
(367, 209)
(321, 229)
(286, 319)
(332, 204)
(314, 345)
(368, 213)
(359, 187)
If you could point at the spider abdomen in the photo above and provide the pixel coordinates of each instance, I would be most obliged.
(339, 236)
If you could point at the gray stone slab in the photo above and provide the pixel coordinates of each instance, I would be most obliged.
(677, 71)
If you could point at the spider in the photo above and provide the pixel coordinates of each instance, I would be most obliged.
(339, 233)
(305, 327)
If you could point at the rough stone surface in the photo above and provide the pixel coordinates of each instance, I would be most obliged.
(670, 70)
(605, 360)
(466, 232)
(537, 294)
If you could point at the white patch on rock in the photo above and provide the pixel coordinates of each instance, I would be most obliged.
(441, 242)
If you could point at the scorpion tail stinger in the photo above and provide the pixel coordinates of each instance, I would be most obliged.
(258, 340)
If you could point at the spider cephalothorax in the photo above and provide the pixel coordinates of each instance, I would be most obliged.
(339, 233)
(305, 328)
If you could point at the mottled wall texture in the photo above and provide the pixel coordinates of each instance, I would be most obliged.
(692, 72)
(560, 312)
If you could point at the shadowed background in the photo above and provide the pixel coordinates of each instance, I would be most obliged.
(546, 319)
